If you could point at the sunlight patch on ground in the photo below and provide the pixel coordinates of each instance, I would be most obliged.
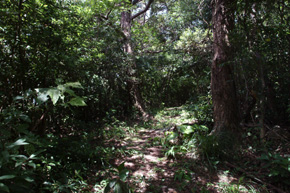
(225, 178)
(177, 116)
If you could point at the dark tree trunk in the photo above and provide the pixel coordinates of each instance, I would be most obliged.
(132, 80)
(226, 113)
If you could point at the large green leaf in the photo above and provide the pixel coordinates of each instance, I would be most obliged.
(54, 95)
(42, 95)
(77, 101)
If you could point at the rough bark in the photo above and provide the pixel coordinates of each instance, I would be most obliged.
(132, 81)
(226, 113)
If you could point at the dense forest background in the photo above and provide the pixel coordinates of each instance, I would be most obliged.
(79, 76)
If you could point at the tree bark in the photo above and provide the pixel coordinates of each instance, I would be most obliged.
(226, 113)
(132, 80)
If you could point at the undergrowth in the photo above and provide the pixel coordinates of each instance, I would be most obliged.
(82, 161)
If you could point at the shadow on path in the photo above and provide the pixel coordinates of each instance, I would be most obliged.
(151, 171)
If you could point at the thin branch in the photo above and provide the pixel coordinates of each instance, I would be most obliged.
(143, 11)
(200, 12)
(107, 15)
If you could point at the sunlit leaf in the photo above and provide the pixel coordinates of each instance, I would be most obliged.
(7, 177)
(173, 135)
(187, 129)
(77, 101)
(42, 95)
(73, 85)
(54, 95)
(18, 98)
(18, 143)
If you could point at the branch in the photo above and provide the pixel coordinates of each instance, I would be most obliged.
(143, 11)
(200, 12)
(107, 15)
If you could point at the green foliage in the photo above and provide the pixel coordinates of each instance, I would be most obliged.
(217, 146)
(234, 187)
(64, 85)
(18, 167)
(181, 175)
(277, 166)
(119, 185)
(59, 92)
(203, 110)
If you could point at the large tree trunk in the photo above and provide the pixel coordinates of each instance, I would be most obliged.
(132, 80)
(226, 113)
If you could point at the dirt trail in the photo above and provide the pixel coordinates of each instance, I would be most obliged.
(150, 170)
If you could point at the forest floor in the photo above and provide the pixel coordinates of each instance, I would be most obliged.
(152, 169)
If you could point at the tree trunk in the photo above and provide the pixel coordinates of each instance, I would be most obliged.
(132, 80)
(226, 113)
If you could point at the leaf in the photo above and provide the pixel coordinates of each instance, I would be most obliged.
(33, 165)
(54, 95)
(172, 136)
(124, 174)
(73, 85)
(201, 127)
(28, 179)
(7, 177)
(61, 87)
(4, 188)
(32, 156)
(42, 95)
(18, 98)
(77, 101)
(18, 143)
(187, 130)
(70, 92)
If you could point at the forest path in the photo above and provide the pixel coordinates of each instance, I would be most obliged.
(144, 148)
(150, 170)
